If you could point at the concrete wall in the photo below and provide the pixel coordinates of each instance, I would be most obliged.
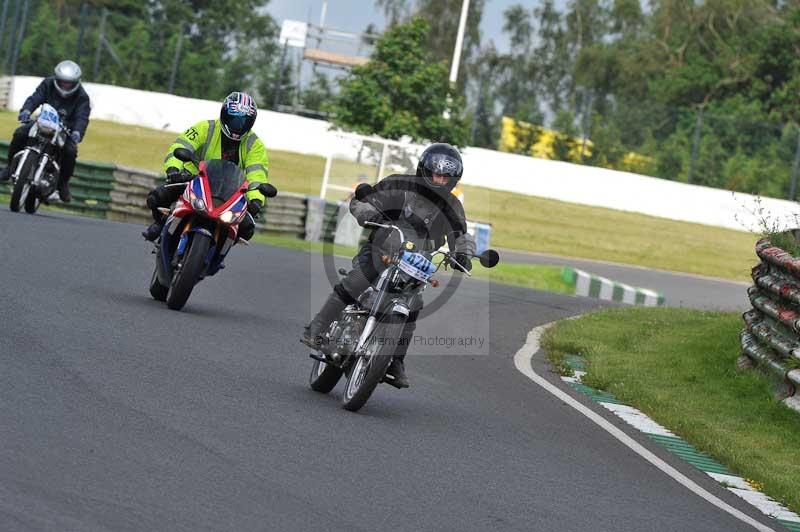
(501, 171)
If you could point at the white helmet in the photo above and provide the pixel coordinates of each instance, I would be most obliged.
(68, 78)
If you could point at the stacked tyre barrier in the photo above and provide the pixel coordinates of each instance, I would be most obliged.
(771, 337)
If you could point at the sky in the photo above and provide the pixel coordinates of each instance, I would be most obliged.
(355, 15)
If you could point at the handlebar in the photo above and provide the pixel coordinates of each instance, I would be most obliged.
(388, 226)
(450, 259)
(448, 256)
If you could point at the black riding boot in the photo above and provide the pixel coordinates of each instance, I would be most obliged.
(314, 331)
(396, 374)
(63, 190)
(153, 231)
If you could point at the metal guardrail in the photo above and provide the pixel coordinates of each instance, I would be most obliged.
(771, 337)
(119, 193)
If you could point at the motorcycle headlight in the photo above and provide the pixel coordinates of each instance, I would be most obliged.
(226, 217)
(198, 204)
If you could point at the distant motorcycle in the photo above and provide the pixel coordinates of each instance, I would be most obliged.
(201, 228)
(361, 342)
(34, 170)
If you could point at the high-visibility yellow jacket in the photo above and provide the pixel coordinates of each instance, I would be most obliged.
(205, 140)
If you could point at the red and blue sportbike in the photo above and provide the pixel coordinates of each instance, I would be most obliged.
(201, 228)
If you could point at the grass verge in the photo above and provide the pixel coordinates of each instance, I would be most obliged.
(679, 367)
(519, 221)
(534, 276)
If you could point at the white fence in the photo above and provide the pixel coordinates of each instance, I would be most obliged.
(486, 168)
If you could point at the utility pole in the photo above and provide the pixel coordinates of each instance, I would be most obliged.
(81, 31)
(3, 23)
(20, 37)
(99, 51)
(795, 170)
(11, 41)
(279, 79)
(175, 61)
(479, 108)
(462, 25)
(698, 125)
(587, 124)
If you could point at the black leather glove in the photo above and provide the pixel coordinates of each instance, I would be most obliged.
(464, 260)
(173, 175)
(24, 116)
(254, 208)
(364, 212)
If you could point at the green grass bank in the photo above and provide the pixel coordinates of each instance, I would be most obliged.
(679, 367)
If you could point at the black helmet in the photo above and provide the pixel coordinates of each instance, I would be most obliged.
(238, 114)
(440, 159)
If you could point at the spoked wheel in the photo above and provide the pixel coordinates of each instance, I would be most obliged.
(19, 196)
(186, 277)
(22, 188)
(323, 377)
(32, 202)
(158, 290)
(370, 368)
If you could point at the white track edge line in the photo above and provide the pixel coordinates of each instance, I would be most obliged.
(523, 361)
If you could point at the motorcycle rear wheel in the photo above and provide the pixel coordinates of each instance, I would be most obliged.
(370, 368)
(183, 280)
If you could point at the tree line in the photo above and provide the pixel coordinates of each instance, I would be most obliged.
(701, 91)
(135, 43)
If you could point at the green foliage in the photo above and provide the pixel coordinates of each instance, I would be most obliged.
(402, 91)
(220, 52)
(635, 81)
(564, 143)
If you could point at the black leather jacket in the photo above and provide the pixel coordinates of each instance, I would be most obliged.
(76, 106)
(428, 216)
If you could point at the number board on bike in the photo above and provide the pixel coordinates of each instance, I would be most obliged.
(416, 265)
(48, 118)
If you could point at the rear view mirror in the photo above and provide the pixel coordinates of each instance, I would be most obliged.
(363, 191)
(489, 258)
(185, 155)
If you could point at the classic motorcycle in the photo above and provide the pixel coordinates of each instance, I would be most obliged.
(201, 227)
(360, 344)
(35, 169)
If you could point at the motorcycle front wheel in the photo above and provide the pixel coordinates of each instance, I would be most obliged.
(22, 188)
(323, 377)
(186, 277)
(158, 290)
(370, 367)
(32, 203)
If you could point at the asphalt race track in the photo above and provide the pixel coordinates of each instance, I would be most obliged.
(118, 414)
(679, 289)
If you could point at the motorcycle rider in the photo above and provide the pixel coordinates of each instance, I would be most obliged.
(64, 92)
(424, 207)
(228, 138)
